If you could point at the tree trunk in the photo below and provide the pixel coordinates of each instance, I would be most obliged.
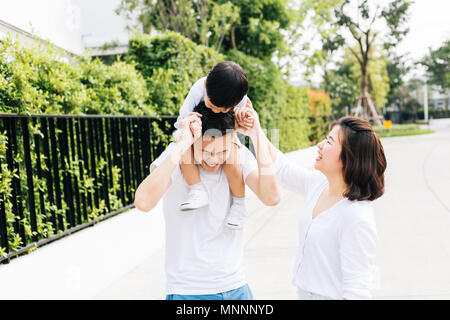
(369, 111)
(233, 38)
(364, 92)
(326, 80)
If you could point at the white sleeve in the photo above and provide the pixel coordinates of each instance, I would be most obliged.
(357, 252)
(243, 102)
(248, 162)
(176, 172)
(195, 95)
(293, 177)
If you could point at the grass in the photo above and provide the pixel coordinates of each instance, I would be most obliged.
(399, 130)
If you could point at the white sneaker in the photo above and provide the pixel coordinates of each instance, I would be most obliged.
(236, 217)
(197, 198)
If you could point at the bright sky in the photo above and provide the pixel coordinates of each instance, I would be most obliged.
(429, 27)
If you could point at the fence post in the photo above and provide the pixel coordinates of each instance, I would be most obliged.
(29, 171)
(56, 174)
(3, 231)
(16, 196)
(49, 171)
(39, 175)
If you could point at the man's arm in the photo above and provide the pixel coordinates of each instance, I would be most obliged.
(156, 184)
(158, 181)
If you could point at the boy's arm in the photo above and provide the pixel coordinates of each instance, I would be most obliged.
(193, 98)
(156, 184)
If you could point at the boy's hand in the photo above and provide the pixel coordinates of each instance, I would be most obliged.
(252, 117)
(196, 125)
(249, 103)
(243, 115)
(185, 134)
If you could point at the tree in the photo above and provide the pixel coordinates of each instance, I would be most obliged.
(343, 88)
(396, 69)
(316, 18)
(360, 25)
(259, 30)
(360, 22)
(205, 22)
(437, 63)
(253, 27)
(344, 81)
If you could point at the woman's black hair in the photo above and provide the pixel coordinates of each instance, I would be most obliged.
(363, 159)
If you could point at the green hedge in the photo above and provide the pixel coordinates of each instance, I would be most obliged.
(35, 79)
(400, 130)
(170, 63)
(434, 113)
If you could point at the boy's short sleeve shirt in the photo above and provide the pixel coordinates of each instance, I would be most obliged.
(197, 94)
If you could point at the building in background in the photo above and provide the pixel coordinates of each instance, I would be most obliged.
(71, 25)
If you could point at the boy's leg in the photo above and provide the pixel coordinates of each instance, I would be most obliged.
(233, 171)
(188, 168)
(198, 196)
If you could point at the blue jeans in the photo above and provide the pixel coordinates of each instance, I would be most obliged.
(242, 293)
(306, 295)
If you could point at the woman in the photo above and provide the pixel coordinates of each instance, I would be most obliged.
(337, 228)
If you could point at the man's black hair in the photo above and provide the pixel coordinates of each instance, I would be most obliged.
(226, 84)
(215, 124)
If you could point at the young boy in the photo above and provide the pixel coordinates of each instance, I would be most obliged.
(224, 89)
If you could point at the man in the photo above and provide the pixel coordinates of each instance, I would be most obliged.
(204, 259)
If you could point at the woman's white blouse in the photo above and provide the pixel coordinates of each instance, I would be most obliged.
(338, 247)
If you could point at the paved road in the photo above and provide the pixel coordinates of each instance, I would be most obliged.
(413, 219)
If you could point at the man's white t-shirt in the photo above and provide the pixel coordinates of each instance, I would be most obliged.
(203, 256)
(195, 96)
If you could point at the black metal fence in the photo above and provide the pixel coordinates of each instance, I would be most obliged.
(61, 173)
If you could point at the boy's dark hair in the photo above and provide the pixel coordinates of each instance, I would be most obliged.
(226, 84)
(215, 124)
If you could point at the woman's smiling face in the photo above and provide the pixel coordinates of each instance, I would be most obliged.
(328, 159)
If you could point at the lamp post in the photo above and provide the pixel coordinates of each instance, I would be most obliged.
(425, 102)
